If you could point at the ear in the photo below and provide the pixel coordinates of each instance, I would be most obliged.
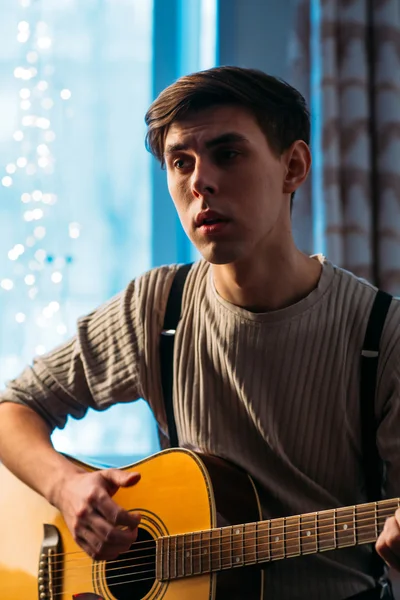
(298, 164)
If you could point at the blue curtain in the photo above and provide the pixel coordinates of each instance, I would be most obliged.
(319, 243)
(84, 208)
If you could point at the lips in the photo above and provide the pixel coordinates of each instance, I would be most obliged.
(209, 217)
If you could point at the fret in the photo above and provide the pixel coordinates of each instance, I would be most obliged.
(308, 535)
(250, 544)
(263, 541)
(237, 546)
(335, 528)
(179, 552)
(345, 527)
(166, 558)
(257, 545)
(183, 551)
(231, 545)
(366, 523)
(277, 539)
(172, 557)
(354, 526)
(226, 545)
(160, 559)
(189, 554)
(215, 549)
(205, 543)
(196, 554)
(384, 510)
(293, 536)
(284, 537)
(220, 547)
(326, 530)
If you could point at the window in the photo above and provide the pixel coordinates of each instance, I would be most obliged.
(76, 184)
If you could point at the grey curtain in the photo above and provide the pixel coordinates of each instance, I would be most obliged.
(358, 51)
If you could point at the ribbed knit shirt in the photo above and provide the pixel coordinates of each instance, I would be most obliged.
(276, 393)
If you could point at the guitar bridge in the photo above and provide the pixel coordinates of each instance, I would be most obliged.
(50, 573)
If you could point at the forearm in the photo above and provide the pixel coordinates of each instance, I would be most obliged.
(26, 450)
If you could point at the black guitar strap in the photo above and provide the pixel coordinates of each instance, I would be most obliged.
(167, 339)
(373, 467)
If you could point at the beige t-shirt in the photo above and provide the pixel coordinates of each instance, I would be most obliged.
(277, 393)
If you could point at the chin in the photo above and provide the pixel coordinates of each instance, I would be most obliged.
(219, 256)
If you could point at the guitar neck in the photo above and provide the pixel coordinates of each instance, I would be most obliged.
(248, 544)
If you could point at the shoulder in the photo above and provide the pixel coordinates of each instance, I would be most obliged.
(158, 281)
(151, 289)
(359, 295)
(357, 292)
(358, 285)
(361, 288)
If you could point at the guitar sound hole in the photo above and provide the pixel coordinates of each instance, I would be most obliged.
(132, 575)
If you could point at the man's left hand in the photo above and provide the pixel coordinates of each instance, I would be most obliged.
(388, 543)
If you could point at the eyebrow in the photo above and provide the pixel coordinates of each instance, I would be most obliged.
(225, 138)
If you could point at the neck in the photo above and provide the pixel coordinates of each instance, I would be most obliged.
(243, 545)
(271, 281)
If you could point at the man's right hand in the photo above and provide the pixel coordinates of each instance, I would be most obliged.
(100, 527)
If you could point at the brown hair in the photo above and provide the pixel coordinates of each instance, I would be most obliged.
(279, 109)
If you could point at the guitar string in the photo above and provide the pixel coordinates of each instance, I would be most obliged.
(269, 559)
(72, 592)
(289, 536)
(326, 513)
(286, 541)
(286, 538)
(143, 579)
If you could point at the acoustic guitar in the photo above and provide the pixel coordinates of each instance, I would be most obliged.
(201, 537)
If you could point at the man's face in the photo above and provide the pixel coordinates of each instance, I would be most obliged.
(226, 183)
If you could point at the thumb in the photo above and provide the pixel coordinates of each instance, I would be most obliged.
(118, 478)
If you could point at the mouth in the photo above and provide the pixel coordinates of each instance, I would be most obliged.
(209, 217)
(211, 223)
(213, 226)
(207, 222)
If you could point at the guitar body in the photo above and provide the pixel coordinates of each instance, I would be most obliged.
(179, 492)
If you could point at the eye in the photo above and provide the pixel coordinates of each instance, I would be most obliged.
(180, 163)
(227, 154)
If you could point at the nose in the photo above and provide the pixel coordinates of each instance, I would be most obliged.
(204, 179)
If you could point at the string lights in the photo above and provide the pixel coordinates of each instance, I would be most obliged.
(45, 157)
(33, 275)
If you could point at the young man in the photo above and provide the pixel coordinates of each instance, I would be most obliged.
(267, 350)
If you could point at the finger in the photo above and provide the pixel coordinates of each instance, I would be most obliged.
(112, 536)
(100, 547)
(390, 558)
(118, 478)
(388, 543)
(114, 514)
(89, 543)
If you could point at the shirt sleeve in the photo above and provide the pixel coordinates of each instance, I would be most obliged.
(98, 367)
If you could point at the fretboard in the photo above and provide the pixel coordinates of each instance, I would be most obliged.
(248, 544)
